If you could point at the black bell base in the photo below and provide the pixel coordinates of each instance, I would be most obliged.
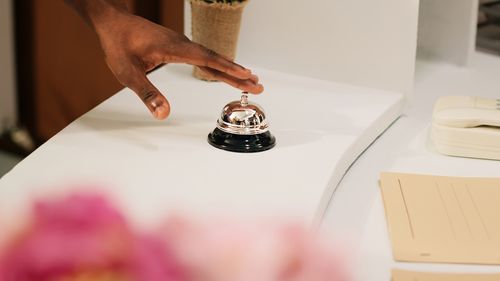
(241, 143)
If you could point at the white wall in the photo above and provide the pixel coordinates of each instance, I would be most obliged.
(363, 42)
(447, 30)
(7, 83)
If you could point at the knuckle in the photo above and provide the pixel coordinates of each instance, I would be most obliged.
(147, 94)
(210, 53)
(210, 56)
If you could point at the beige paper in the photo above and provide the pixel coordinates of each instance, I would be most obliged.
(403, 275)
(443, 219)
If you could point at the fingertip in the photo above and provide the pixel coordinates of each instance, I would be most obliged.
(259, 89)
(160, 108)
(161, 112)
(254, 89)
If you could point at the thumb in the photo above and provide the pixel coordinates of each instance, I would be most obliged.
(153, 99)
(156, 102)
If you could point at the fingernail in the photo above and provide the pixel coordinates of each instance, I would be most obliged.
(161, 112)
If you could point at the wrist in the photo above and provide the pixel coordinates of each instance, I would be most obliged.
(99, 13)
(105, 16)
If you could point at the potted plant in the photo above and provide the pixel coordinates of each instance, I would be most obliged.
(216, 25)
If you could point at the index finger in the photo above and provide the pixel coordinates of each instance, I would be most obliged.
(196, 54)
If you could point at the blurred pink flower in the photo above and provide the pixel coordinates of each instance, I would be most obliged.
(83, 238)
(228, 251)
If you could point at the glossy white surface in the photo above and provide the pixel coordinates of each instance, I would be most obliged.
(153, 167)
(356, 209)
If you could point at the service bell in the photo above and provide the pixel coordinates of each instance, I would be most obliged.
(242, 127)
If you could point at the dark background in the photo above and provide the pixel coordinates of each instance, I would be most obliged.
(61, 72)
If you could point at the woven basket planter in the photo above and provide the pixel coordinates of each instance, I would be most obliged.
(217, 27)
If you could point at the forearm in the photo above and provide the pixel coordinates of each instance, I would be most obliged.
(98, 12)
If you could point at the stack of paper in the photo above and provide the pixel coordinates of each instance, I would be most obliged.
(443, 219)
(402, 275)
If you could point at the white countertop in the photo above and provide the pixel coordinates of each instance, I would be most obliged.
(154, 168)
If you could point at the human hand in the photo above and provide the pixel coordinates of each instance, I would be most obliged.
(134, 46)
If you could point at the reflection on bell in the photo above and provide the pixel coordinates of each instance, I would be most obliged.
(242, 127)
